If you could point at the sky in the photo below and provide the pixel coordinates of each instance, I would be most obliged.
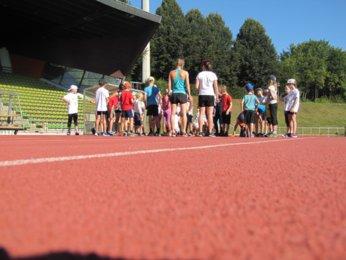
(286, 22)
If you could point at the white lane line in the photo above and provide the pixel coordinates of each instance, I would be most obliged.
(119, 154)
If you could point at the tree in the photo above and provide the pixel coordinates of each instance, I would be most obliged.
(168, 43)
(336, 78)
(218, 48)
(209, 39)
(195, 42)
(319, 68)
(256, 52)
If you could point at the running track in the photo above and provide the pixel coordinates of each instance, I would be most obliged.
(173, 198)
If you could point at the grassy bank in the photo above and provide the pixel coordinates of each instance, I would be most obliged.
(310, 115)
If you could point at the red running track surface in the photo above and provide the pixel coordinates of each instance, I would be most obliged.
(250, 199)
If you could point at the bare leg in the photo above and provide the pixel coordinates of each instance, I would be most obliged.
(131, 124)
(157, 121)
(97, 123)
(210, 119)
(200, 119)
(104, 123)
(174, 110)
(295, 123)
(183, 117)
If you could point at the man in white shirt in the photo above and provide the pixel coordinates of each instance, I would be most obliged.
(101, 101)
(72, 100)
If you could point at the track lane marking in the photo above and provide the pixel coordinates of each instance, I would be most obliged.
(122, 154)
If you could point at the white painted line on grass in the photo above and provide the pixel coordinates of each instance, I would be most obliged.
(121, 154)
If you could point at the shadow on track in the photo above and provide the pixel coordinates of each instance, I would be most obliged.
(57, 256)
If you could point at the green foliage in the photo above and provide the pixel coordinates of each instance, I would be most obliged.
(256, 53)
(193, 37)
(162, 85)
(168, 43)
(219, 48)
(195, 43)
(237, 92)
(319, 69)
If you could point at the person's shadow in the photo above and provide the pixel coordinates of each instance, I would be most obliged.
(57, 256)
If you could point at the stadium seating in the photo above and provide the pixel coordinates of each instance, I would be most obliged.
(40, 102)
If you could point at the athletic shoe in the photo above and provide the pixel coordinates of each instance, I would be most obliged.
(157, 134)
(76, 133)
(68, 133)
(151, 134)
(105, 134)
(212, 135)
(96, 134)
(125, 134)
(199, 135)
(294, 136)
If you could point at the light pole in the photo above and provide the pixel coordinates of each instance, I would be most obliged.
(146, 53)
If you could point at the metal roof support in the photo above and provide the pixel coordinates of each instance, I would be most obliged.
(146, 53)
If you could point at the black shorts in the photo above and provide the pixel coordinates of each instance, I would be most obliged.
(189, 118)
(273, 113)
(226, 119)
(152, 110)
(138, 121)
(117, 111)
(178, 98)
(287, 121)
(206, 101)
(100, 113)
(250, 116)
(127, 114)
(75, 120)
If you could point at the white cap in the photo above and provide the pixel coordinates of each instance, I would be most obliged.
(151, 79)
(292, 81)
(73, 87)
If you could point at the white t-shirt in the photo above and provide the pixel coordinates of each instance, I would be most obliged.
(286, 101)
(138, 106)
(272, 89)
(293, 95)
(206, 83)
(101, 99)
(73, 102)
(196, 121)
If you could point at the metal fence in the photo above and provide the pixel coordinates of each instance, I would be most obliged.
(317, 131)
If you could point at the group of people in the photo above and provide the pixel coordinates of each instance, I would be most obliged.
(260, 106)
(122, 113)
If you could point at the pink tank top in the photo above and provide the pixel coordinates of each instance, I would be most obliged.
(165, 103)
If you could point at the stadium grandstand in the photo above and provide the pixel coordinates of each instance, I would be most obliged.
(54, 44)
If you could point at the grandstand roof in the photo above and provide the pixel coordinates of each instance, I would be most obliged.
(104, 36)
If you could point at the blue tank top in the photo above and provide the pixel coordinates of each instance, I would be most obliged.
(178, 84)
